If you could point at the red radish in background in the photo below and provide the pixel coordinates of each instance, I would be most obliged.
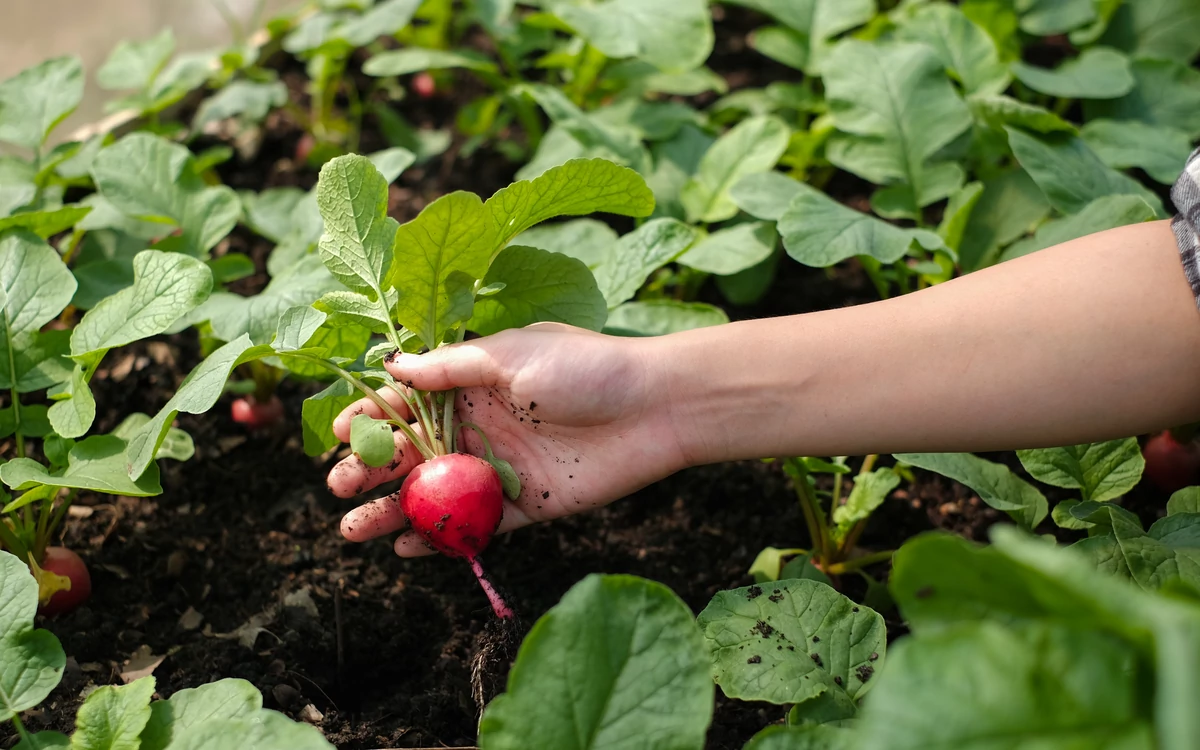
(1171, 465)
(304, 147)
(64, 573)
(424, 86)
(455, 502)
(256, 414)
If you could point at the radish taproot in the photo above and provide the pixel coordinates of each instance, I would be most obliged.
(68, 578)
(256, 414)
(1171, 464)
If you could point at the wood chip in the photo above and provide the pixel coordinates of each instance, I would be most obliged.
(142, 663)
(310, 714)
(191, 619)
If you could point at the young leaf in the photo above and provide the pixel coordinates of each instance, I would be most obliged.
(438, 256)
(335, 342)
(352, 308)
(587, 240)
(658, 317)
(820, 232)
(808, 28)
(754, 145)
(46, 224)
(34, 288)
(177, 445)
(814, 737)
(263, 730)
(233, 315)
(270, 213)
(1161, 151)
(318, 412)
(640, 253)
(996, 484)
(196, 395)
(736, 248)
(135, 64)
(996, 112)
(639, 671)
(1070, 173)
(37, 99)
(416, 59)
(966, 50)
(581, 186)
(870, 490)
(807, 637)
(113, 716)
(1011, 205)
(250, 101)
(1186, 500)
(166, 286)
(358, 238)
(296, 326)
(1101, 471)
(1157, 29)
(586, 133)
(971, 687)
(222, 700)
(673, 35)
(957, 216)
(1048, 17)
(385, 18)
(539, 286)
(1170, 551)
(45, 741)
(766, 195)
(96, 463)
(72, 417)
(372, 440)
(1098, 73)
(883, 138)
(33, 659)
(1100, 215)
(1167, 94)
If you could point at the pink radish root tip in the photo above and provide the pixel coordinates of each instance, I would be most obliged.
(499, 606)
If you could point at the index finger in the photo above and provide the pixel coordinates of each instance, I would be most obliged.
(341, 423)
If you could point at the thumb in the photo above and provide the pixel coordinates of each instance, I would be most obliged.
(466, 365)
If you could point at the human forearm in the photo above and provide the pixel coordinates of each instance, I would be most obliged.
(1094, 339)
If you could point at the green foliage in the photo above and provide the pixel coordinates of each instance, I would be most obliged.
(996, 484)
(33, 659)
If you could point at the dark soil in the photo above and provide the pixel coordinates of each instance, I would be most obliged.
(245, 537)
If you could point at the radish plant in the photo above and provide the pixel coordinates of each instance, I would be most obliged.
(453, 269)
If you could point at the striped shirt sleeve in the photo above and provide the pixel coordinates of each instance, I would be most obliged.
(1186, 197)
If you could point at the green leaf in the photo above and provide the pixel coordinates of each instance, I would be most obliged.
(587, 240)
(768, 563)
(37, 99)
(296, 326)
(870, 490)
(1098, 73)
(192, 707)
(1162, 29)
(34, 421)
(112, 717)
(966, 50)
(658, 317)
(1102, 214)
(177, 445)
(231, 267)
(46, 223)
(437, 257)
(231, 315)
(820, 232)
(33, 659)
(816, 737)
(587, 134)
(17, 185)
(135, 65)
(539, 286)
(640, 253)
(754, 145)
(166, 286)
(882, 137)
(1167, 94)
(318, 412)
(791, 641)
(330, 342)
(637, 673)
(673, 35)
(45, 741)
(270, 213)
(416, 59)
(352, 308)
(72, 417)
(250, 101)
(996, 484)
(1161, 151)
(675, 162)
(1186, 500)
(996, 112)
(957, 217)
(1101, 471)
(96, 463)
(581, 186)
(783, 45)
(1070, 173)
(811, 25)
(983, 685)
(1047, 17)
(149, 178)
(385, 18)
(372, 440)
(736, 248)
(1119, 546)
(352, 195)
(38, 360)
(196, 395)
(263, 730)
(34, 288)
(1011, 205)
(767, 195)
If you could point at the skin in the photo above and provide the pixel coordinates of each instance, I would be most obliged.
(1091, 340)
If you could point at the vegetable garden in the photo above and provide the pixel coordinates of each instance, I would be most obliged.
(193, 288)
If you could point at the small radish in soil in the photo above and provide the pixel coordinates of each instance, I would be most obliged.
(60, 561)
(304, 147)
(1171, 465)
(424, 86)
(256, 414)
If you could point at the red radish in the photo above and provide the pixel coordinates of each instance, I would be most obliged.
(61, 561)
(304, 147)
(424, 85)
(1170, 464)
(255, 414)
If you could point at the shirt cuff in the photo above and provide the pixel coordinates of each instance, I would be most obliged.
(1186, 197)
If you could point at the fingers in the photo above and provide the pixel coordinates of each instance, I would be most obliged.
(341, 424)
(467, 365)
(352, 477)
(374, 519)
(411, 544)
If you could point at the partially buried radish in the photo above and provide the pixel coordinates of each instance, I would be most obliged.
(456, 501)
(256, 414)
(66, 574)
(1171, 464)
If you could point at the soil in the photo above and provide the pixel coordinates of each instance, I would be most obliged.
(375, 649)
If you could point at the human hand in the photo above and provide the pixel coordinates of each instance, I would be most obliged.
(581, 417)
